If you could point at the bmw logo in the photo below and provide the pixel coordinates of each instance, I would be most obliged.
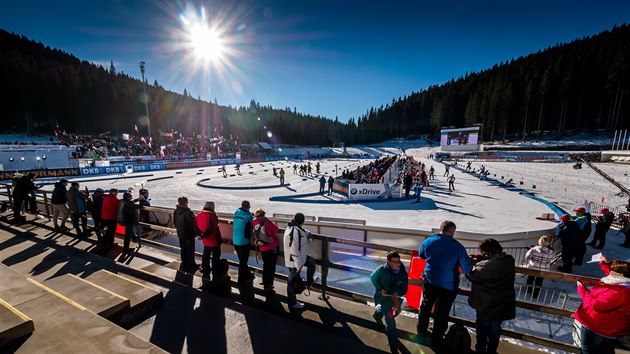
(353, 191)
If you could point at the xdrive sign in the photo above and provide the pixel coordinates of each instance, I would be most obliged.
(365, 191)
(369, 191)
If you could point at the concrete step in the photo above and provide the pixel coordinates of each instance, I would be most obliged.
(95, 298)
(13, 324)
(63, 326)
(139, 295)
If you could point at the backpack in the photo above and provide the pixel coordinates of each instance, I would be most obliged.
(260, 235)
(457, 339)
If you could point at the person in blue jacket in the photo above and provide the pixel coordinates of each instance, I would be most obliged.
(241, 236)
(444, 256)
(390, 285)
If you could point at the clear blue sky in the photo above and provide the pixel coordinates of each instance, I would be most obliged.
(329, 58)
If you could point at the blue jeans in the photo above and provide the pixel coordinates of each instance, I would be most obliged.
(390, 324)
(593, 343)
(488, 334)
(293, 272)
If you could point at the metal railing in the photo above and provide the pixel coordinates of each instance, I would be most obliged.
(323, 245)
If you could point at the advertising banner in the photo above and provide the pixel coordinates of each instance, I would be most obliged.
(91, 171)
(225, 162)
(371, 191)
(47, 173)
(341, 188)
(148, 167)
(178, 165)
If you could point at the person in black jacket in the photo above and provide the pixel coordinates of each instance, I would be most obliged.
(128, 216)
(187, 231)
(407, 182)
(568, 232)
(604, 221)
(492, 293)
(58, 201)
(583, 220)
(24, 188)
(97, 207)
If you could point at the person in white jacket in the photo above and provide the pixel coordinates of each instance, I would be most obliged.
(296, 241)
(539, 257)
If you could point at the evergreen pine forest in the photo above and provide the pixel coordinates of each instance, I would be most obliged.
(579, 86)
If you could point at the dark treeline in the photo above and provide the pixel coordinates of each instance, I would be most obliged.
(582, 85)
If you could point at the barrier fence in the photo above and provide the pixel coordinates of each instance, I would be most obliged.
(330, 237)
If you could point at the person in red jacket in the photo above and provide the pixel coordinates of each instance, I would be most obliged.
(108, 219)
(267, 242)
(604, 315)
(208, 224)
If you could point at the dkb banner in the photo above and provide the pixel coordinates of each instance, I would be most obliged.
(90, 171)
(148, 167)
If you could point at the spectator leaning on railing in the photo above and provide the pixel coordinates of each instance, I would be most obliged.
(604, 315)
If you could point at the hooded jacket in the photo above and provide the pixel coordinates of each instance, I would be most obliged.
(184, 221)
(605, 307)
(129, 212)
(568, 233)
(204, 220)
(295, 245)
(384, 278)
(492, 292)
(270, 230)
(110, 207)
(241, 219)
(59, 194)
(76, 200)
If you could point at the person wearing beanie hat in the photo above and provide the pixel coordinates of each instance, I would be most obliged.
(604, 221)
(583, 220)
(567, 230)
(77, 203)
(128, 216)
(539, 257)
(210, 235)
(58, 201)
(266, 237)
(296, 256)
(241, 238)
(97, 208)
(187, 231)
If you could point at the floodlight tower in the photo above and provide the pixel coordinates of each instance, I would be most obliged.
(146, 99)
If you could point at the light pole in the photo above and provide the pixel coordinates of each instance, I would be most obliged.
(22, 159)
(44, 158)
(146, 99)
(39, 162)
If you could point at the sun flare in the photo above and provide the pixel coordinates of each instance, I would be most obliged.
(206, 42)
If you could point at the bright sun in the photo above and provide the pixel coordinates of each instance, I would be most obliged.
(205, 42)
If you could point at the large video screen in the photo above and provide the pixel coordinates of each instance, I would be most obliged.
(462, 136)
